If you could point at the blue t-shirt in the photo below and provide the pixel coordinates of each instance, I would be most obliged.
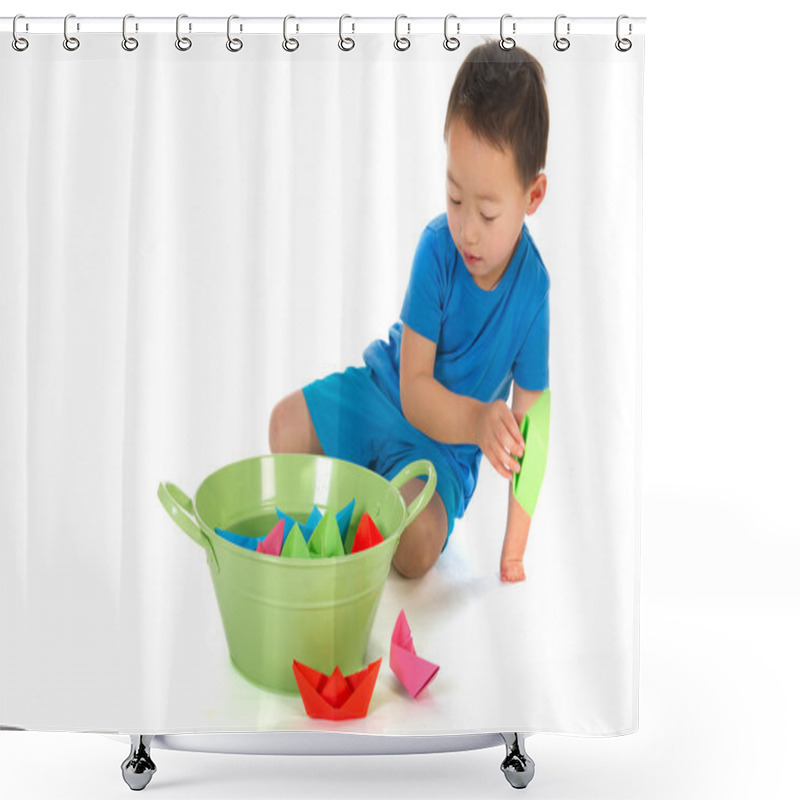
(484, 339)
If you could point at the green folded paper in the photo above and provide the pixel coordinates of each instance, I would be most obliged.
(295, 545)
(326, 541)
(535, 429)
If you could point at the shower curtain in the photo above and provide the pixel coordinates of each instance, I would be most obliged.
(188, 235)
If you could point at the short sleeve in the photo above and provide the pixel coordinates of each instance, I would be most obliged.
(423, 305)
(531, 370)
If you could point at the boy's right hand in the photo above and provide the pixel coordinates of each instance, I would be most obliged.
(497, 434)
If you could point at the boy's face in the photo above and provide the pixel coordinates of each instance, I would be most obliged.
(486, 203)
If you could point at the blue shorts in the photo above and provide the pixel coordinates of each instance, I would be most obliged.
(356, 421)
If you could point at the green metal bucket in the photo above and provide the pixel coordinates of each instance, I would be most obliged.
(275, 609)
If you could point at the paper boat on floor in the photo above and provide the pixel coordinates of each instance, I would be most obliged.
(336, 696)
(413, 672)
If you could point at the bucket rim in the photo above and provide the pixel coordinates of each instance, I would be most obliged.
(312, 562)
(392, 540)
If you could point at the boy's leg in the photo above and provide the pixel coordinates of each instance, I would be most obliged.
(422, 541)
(290, 427)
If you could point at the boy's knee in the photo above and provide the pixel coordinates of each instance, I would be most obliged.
(278, 424)
(284, 424)
(422, 542)
(413, 563)
(290, 427)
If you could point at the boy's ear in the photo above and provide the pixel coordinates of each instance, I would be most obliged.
(536, 193)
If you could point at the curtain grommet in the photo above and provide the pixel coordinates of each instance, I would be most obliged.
(506, 42)
(19, 43)
(183, 43)
(401, 43)
(345, 42)
(234, 45)
(70, 43)
(289, 44)
(622, 44)
(451, 43)
(561, 43)
(129, 43)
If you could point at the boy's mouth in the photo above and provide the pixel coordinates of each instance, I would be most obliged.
(470, 259)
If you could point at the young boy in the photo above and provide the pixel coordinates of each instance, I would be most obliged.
(475, 319)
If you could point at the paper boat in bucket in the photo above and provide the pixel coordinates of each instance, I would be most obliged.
(413, 672)
(336, 696)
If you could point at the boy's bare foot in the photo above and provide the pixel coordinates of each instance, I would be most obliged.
(511, 570)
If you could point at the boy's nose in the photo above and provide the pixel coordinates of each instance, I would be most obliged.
(470, 232)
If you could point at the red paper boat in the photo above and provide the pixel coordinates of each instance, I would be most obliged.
(413, 672)
(336, 696)
(367, 534)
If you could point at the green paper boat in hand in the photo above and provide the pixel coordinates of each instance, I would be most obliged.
(535, 429)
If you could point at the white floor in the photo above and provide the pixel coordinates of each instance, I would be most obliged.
(719, 700)
(716, 721)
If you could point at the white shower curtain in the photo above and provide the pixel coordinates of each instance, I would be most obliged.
(189, 236)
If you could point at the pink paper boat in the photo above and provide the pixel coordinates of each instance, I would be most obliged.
(413, 672)
(272, 543)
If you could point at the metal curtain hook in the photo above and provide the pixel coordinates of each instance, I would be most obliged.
(128, 42)
(506, 42)
(401, 43)
(451, 42)
(623, 45)
(183, 43)
(18, 43)
(561, 43)
(290, 45)
(234, 45)
(346, 43)
(70, 42)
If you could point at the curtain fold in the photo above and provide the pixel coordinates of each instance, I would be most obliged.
(187, 238)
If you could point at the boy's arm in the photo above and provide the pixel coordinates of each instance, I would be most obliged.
(518, 522)
(453, 418)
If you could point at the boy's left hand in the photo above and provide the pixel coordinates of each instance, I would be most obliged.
(511, 570)
(499, 438)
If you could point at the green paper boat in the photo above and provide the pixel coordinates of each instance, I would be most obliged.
(535, 429)
(295, 545)
(350, 539)
(326, 541)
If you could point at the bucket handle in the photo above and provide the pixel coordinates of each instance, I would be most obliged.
(416, 469)
(181, 509)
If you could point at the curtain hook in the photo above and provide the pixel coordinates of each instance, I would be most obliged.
(128, 42)
(183, 43)
(561, 43)
(18, 43)
(70, 42)
(623, 45)
(506, 42)
(401, 43)
(289, 45)
(451, 42)
(234, 45)
(346, 43)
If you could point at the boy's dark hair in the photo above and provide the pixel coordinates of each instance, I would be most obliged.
(500, 95)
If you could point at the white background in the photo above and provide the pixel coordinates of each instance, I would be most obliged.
(720, 536)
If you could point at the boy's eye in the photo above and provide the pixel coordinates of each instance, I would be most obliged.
(454, 201)
(488, 219)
